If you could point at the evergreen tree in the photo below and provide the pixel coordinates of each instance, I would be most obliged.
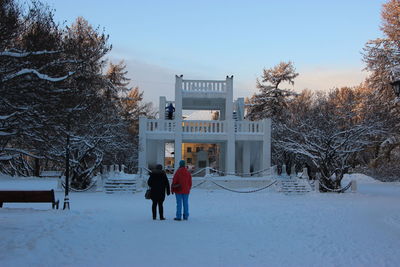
(271, 101)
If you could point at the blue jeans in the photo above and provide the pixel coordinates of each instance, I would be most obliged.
(182, 199)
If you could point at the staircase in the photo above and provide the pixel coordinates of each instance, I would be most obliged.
(120, 185)
(290, 186)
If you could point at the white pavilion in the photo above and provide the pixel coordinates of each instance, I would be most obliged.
(243, 146)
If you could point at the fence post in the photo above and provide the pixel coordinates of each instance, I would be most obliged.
(316, 186)
(99, 183)
(293, 173)
(305, 174)
(353, 186)
(284, 172)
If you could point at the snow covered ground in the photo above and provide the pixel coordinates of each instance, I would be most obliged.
(224, 229)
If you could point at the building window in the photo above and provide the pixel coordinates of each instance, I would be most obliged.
(189, 160)
(189, 149)
(198, 149)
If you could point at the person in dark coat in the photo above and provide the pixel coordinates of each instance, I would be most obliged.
(159, 184)
(170, 109)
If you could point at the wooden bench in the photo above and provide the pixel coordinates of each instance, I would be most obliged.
(28, 196)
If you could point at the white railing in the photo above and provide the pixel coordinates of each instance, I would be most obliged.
(161, 126)
(204, 86)
(249, 127)
(203, 126)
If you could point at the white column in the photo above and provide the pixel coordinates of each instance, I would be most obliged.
(161, 152)
(178, 97)
(142, 142)
(229, 98)
(230, 149)
(246, 157)
(161, 108)
(266, 148)
(178, 120)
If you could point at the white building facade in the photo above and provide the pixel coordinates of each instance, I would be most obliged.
(245, 146)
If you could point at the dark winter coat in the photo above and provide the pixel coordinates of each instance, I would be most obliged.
(184, 179)
(159, 184)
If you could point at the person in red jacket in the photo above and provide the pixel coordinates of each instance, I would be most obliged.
(181, 185)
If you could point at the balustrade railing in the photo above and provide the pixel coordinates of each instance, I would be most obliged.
(161, 126)
(204, 86)
(249, 127)
(204, 126)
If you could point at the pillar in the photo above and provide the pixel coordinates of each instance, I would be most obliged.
(161, 152)
(161, 111)
(178, 120)
(142, 142)
(230, 148)
(266, 147)
(246, 158)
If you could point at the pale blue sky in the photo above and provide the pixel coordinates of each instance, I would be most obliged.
(211, 39)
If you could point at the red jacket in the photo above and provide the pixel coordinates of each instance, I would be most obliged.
(183, 177)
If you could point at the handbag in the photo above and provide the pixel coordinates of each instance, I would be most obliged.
(147, 195)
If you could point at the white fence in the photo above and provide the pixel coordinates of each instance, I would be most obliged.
(204, 86)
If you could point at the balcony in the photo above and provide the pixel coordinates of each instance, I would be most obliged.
(203, 128)
(190, 86)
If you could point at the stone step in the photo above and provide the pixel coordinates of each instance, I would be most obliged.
(294, 186)
(120, 181)
(119, 186)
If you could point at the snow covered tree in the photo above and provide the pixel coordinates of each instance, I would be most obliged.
(382, 55)
(382, 58)
(133, 106)
(328, 134)
(56, 96)
(271, 101)
(30, 76)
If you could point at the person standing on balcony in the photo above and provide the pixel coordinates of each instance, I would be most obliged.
(158, 183)
(170, 109)
(181, 185)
